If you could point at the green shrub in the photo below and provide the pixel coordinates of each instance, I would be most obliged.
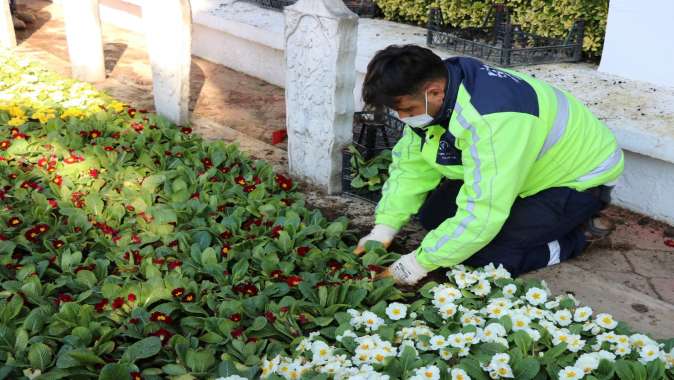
(544, 17)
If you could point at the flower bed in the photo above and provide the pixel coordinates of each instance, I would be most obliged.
(131, 248)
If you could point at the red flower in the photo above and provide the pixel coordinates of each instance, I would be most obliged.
(345, 276)
(173, 243)
(257, 180)
(94, 134)
(189, 297)
(137, 258)
(131, 112)
(32, 235)
(302, 319)
(225, 169)
(195, 195)
(186, 130)
(117, 303)
(4, 144)
(13, 221)
(174, 264)
(63, 298)
(302, 251)
(42, 228)
(93, 173)
(375, 268)
(240, 180)
(101, 305)
(177, 292)
(293, 280)
(58, 180)
(135, 376)
(131, 297)
(225, 234)
(158, 316)
(158, 261)
(276, 274)
(235, 317)
(248, 189)
(53, 203)
(252, 339)
(134, 321)
(224, 251)
(276, 231)
(669, 243)
(115, 135)
(136, 239)
(163, 334)
(245, 288)
(287, 202)
(138, 127)
(130, 208)
(284, 182)
(271, 318)
(207, 163)
(284, 309)
(237, 332)
(334, 265)
(109, 148)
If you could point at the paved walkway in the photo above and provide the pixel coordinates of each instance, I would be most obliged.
(631, 276)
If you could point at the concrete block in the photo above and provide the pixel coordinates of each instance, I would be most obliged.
(7, 36)
(85, 40)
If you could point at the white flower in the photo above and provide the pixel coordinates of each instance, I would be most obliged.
(438, 341)
(509, 290)
(430, 372)
(575, 344)
(622, 349)
(444, 294)
(563, 317)
(396, 311)
(603, 354)
(447, 310)
(571, 373)
(551, 304)
(445, 353)
(503, 370)
(501, 358)
(457, 340)
(534, 334)
(520, 321)
(606, 321)
(559, 336)
(536, 296)
(371, 321)
(346, 334)
(232, 377)
(640, 340)
(587, 362)
(649, 353)
(321, 352)
(482, 288)
(582, 314)
(459, 374)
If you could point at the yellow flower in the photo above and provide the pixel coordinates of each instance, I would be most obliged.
(72, 112)
(17, 112)
(117, 106)
(16, 121)
(44, 115)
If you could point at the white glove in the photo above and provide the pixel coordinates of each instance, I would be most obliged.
(381, 233)
(407, 270)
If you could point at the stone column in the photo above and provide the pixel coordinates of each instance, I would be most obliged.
(320, 49)
(168, 30)
(85, 39)
(7, 36)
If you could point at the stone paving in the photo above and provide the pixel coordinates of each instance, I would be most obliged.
(630, 275)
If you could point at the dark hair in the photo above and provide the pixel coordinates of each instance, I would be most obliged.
(399, 70)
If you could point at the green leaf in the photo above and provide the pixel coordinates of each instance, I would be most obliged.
(623, 370)
(11, 309)
(605, 370)
(655, 369)
(142, 349)
(199, 361)
(526, 369)
(39, 356)
(473, 369)
(115, 371)
(258, 324)
(174, 369)
(86, 357)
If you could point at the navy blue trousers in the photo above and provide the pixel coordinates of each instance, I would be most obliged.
(555, 214)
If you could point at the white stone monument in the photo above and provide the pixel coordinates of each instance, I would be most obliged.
(168, 30)
(85, 39)
(320, 49)
(7, 36)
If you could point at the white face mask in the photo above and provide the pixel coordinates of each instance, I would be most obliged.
(419, 121)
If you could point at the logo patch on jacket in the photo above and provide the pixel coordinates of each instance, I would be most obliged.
(447, 152)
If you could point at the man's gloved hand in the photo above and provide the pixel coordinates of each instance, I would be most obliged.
(381, 233)
(406, 270)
